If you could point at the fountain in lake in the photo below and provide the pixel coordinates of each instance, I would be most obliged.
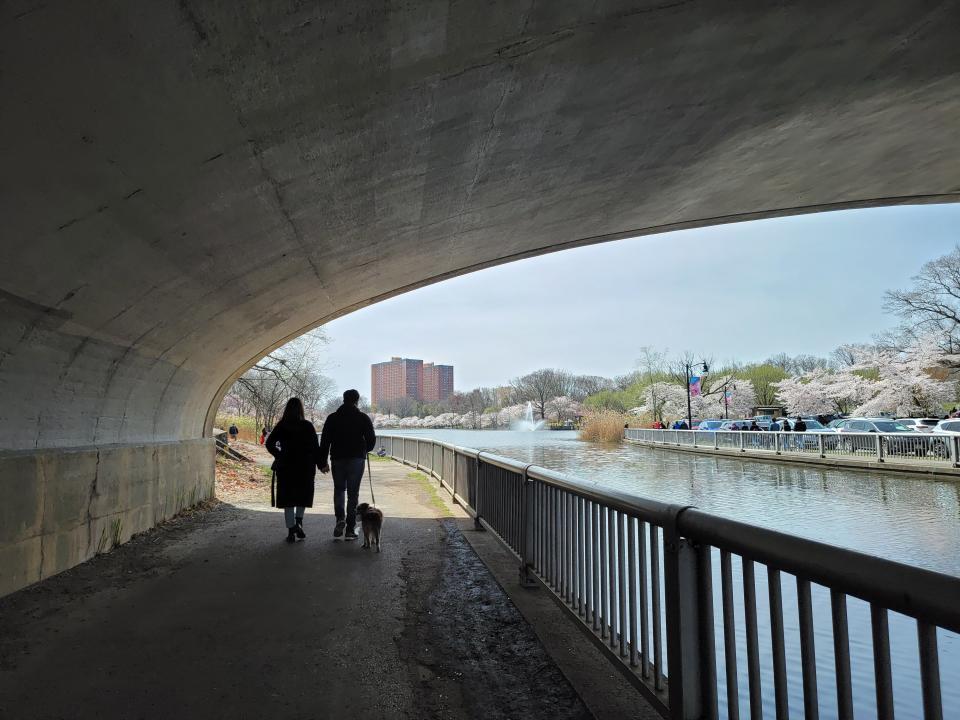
(527, 423)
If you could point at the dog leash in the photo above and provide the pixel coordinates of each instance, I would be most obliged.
(373, 500)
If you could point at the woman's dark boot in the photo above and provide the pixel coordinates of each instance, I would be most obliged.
(298, 529)
(292, 534)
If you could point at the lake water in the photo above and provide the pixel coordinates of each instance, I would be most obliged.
(908, 518)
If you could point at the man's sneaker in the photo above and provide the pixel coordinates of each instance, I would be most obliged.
(350, 535)
(338, 530)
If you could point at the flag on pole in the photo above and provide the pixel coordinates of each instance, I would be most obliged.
(694, 386)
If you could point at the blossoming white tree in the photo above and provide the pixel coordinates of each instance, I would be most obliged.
(907, 383)
(821, 391)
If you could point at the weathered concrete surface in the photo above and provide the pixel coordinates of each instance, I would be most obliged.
(217, 617)
(61, 507)
(188, 183)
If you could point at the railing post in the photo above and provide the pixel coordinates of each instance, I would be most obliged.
(453, 480)
(688, 592)
(528, 512)
(776, 442)
(716, 441)
(695, 438)
(955, 449)
(742, 449)
(879, 440)
(417, 443)
(477, 525)
(823, 451)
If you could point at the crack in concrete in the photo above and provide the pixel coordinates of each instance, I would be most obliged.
(91, 495)
(297, 235)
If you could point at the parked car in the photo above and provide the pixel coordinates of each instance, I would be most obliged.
(735, 425)
(920, 424)
(837, 424)
(710, 425)
(950, 426)
(894, 438)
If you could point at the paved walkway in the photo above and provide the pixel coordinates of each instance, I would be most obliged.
(215, 616)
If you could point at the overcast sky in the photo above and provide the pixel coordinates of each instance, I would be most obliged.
(744, 291)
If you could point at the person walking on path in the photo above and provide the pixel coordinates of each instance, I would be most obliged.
(293, 442)
(347, 437)
(233, 430)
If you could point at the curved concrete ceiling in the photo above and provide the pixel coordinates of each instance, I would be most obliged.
(186, 184)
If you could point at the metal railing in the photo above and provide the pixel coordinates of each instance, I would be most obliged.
(641, 575)
(915, 448)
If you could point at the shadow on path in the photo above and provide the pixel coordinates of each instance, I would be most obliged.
(213, 615)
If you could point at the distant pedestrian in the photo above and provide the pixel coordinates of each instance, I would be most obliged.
(295, 446)
(263, 436)
(799, 425)
(754, 427)
(683, 425)
(347, 437)
(233, 430)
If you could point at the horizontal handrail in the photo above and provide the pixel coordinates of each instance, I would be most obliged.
(916, 592)
(610, 557)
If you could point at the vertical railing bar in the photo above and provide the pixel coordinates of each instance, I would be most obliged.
(581, 557)
(776, 639)
(881, 662)
(604, 575)
(644, 599)
(588, 559)
(571, 553)
(841, 655)
(632, 523)
(929, 671)
(707, 632)
(808, 653)
(753, 642)
(622, 584)
(729, 636)
(597, 567)
(655, 591)
(611, 574)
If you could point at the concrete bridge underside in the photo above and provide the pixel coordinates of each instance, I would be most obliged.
(188, 184)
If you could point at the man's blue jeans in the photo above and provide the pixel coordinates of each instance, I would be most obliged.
(347, 476)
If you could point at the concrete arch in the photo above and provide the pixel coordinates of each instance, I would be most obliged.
(188, 183)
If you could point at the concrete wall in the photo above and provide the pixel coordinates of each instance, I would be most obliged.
(59, 507)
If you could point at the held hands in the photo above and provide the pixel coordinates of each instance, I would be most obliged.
(324, 469)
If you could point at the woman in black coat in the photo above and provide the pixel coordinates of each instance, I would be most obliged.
(296, 448)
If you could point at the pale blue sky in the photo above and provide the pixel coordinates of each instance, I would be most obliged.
(797, 285)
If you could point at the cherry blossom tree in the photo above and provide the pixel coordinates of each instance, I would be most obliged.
(907, 384)
(820, 392)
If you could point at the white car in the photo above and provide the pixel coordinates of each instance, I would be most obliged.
(950, 426)
(923, 425)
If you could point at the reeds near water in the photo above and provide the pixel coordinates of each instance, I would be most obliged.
(603, 426)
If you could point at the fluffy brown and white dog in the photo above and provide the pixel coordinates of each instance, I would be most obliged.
(371, 520)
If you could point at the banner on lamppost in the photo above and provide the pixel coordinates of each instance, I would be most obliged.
(694, 386)
(727, 397)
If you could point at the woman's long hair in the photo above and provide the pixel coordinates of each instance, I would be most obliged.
(293, 412)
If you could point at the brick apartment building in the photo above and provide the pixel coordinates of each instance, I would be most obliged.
(410, 378)
(437, 382)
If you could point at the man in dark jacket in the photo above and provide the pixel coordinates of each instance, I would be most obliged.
(347, 437)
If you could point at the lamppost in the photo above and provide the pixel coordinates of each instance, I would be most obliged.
(689, 367)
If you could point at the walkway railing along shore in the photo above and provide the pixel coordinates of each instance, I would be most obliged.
(938, 450)
(641, 575)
